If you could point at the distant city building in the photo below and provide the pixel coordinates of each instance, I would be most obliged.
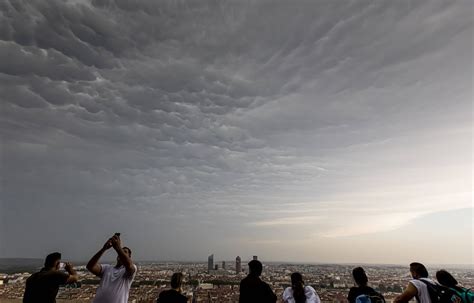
(210, 262)
(255, 257)
(238, 265)
(223, 264)
(216, 267)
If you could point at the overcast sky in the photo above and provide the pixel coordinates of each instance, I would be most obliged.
(322, 131)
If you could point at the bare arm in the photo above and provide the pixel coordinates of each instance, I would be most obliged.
(124, 258)
(73, 277)
(93, 265)
(407, 295)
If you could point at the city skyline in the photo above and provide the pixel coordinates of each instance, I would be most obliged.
(314, 132)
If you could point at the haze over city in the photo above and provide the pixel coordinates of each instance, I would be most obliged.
(307, 131)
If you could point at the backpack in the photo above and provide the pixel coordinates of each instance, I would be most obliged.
(374, 297)
(465, 293)
(441, 294)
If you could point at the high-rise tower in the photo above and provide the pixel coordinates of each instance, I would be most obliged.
(210, 263)
(238, 265)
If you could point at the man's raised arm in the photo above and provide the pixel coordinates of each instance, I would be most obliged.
(93, 265)
(123, 256)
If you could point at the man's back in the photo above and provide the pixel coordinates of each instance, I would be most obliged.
(423, 294)
(171, 296)
(43, 286)
(252, 289)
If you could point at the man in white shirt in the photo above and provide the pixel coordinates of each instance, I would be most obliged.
(115, 281)
(417, 287)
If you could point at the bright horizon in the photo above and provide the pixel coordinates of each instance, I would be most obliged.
(323, 132)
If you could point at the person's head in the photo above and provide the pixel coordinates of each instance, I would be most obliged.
(418, 270)
(177, 280)
(446, 279)
(255, 268)
(359, 276)
(127, 251)
(52, 261)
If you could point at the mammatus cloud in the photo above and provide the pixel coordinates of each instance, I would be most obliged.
(202, 121)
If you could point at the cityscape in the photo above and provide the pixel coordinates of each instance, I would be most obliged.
(218, 280)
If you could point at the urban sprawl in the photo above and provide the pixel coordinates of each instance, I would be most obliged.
(219, 281)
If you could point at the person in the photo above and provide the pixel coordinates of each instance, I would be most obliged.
(43, 286)
(417, 287)
(446, 279)
(361, 280)
(253, 289)
(173, 295)
(115, 281)
(298, 292)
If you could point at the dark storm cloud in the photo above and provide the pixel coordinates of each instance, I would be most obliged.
(192, 113)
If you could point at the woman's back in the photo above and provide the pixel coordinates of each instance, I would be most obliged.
(309, 292)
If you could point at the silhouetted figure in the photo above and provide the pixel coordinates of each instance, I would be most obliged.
(173, 295)
(446, 279)
(417, 287)
(254, 290)
(115, 281)
(363, 293)
(43, 286)
(298, 292)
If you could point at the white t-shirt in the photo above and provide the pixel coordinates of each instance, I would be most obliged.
(114, 284)
(422, 289)
(310, 293)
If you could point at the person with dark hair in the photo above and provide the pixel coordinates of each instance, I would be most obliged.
(362, 292)
(115, 281)
(253, 289)
(173, 295)
(43, 286)
(298, 292)
(418, 286)
(447, 280)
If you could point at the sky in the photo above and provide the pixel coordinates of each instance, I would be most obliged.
(306, 131)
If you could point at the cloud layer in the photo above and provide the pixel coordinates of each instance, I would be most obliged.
(215, 125)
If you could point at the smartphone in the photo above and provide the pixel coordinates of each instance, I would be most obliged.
(117, 234)
(62, 265)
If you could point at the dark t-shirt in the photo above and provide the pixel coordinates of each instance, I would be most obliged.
(254, 290)
(354, 292)
(171, 296)
(43, 286)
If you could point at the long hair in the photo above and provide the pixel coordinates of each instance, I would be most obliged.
(297, 284)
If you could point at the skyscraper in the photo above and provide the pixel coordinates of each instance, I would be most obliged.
(238, 265)
(210, 263)
(223, 264)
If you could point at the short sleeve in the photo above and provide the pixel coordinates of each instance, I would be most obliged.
(104, 268)
(351, 295)
(311, 295)
(288, 295)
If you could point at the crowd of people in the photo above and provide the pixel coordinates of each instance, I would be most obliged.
(116, 280)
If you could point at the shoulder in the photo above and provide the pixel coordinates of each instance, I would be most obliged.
(309, 289)
(353, 290)
(288, 292)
